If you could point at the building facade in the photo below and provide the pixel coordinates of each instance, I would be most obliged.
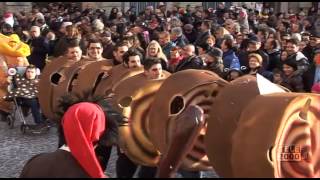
(278, 6)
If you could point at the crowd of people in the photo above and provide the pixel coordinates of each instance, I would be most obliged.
(230, 41)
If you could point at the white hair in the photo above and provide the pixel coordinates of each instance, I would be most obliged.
(177, 31)
(98, 25)
(296, 36)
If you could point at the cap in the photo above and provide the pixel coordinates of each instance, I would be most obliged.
(291, 63)
(253, 39)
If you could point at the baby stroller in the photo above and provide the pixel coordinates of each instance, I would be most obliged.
(21, 96)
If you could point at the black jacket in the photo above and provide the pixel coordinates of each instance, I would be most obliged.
(294, 83)
(274, 60)
(301, 60)
(216, 67)
(181, 41)
(40, 49)
(202, 38)
(192, 62)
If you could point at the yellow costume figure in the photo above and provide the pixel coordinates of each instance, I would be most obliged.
(13, 53)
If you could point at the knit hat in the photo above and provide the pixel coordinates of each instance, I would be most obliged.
(292, 64)
(8, 18)
(253, 39)
(215, 52)
(83, 124)
(316, 88)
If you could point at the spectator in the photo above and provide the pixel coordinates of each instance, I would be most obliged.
(243, 20)
(230, 60)
(291, 80)
(294, 55)
(113, 13)
(51, 38)
(205, 29)
(175, 58)
(154, 50)
(211, 40)
(214, 62)
(272, 48)
(71, 34)
(255, 66)
(166, 43)
(277, 76)
(190, 33)
(118, 51)
(7, 29)
(40, 48)
(108, 45)
(178, 38)
(26, 92)
(203, 48)
(190, 60)
(44, 28)
(254, 46)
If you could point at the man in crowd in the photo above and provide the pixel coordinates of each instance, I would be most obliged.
(190, 60)
(39, 48)
(118, 51)
(95, 50)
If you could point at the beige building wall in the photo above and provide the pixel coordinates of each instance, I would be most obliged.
(26, 6)
(15, 6)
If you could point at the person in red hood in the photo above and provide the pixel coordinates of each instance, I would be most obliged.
(175, 58)
(83, 124)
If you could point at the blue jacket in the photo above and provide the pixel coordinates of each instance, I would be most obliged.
(166, 49)
(230, 60)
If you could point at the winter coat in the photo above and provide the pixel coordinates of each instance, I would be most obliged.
(192, 62)
(294, 83)
(230, 60)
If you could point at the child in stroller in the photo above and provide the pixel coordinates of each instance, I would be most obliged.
(24, 94)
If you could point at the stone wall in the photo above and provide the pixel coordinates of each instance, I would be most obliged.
(15, 6)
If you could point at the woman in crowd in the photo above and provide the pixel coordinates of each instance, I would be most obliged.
(154, 50)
